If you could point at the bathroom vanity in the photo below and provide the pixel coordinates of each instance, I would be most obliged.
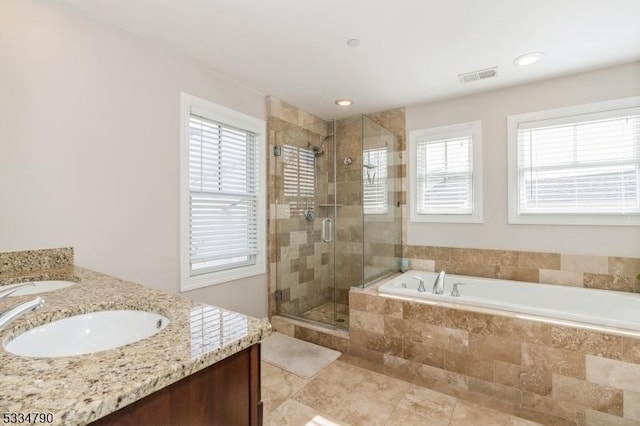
(202, 368)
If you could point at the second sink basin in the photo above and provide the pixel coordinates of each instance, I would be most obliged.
(87, 333)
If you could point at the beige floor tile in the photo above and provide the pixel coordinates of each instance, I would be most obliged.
(403, 417)
(280, 382)
(466, 414)
(347, 406)
(350, 392)
(343, 374)
(517, 421)
(294, 413)
(270, 402)
(383, 388)
(435, 406)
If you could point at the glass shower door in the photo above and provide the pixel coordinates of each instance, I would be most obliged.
(305, 223)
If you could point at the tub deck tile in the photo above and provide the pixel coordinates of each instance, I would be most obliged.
(452, 339)
(558, 361)
(520, 330)
(493, 347)
(423, 353)
(609, 282)
(468, 365)
(538, 260)
(536, 379)
(598, 397)
(586, 342)
(631, 349)
(519, 274)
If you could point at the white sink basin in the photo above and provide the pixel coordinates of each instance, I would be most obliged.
(38, 287)
(87, 333)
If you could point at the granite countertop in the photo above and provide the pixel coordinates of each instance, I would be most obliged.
(80, 389)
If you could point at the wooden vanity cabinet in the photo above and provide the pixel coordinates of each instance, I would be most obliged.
(226, 393)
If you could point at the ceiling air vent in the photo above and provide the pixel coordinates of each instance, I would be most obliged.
(478, 75)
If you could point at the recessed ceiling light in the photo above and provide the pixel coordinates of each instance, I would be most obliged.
(344, 102)
(353, 42)
(528, 58)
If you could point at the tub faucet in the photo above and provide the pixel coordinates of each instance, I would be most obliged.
(6, 293)
(438, 284)
(421, 288)
(12, 314)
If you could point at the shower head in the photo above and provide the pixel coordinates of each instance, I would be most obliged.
(318, 150)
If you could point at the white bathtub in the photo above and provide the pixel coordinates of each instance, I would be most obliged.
(598, 308)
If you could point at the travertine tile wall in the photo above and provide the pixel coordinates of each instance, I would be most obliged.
(296, 255)
(549, 373)
(602, 272)
(27, 265)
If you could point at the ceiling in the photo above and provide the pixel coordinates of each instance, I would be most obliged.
(411, 51)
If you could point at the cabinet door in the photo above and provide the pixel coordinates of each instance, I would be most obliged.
(226, 393)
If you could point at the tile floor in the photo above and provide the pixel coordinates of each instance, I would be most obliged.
(350, 392)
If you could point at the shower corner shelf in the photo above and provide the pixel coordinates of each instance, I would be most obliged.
(329, 205)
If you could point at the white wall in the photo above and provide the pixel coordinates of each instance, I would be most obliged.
(493, 108)
(89, 145)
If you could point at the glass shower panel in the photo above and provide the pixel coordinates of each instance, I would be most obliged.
(381, 187)
(349, 231)
(304, 203)
(338, 220)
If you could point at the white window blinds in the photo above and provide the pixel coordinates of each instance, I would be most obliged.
(223, 196)
(444, 175)
(299, 178)
(374, 181)
(585, 164)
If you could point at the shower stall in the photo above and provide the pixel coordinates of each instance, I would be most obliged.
(338, 215)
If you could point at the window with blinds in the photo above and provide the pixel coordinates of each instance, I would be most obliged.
(374, 181)
(446, 174)
(585, 164)
(299, 179)
(222, 208)
(223, 190)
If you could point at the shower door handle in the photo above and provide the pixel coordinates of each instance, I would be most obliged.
(326, 237)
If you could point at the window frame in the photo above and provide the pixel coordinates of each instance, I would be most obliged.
(471, 128)
(238, 120)
(513, 178)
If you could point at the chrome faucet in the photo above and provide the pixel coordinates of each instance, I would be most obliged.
(421, 288)
(455, 291)
(6, 293)
(438, 284)
(12, 314)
